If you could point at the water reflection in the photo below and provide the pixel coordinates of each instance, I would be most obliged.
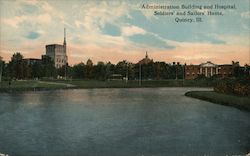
(119, 122)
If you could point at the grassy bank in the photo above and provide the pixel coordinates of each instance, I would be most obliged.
(66, 84)
(135, 83)
(240, 102)
(123, 84)
(30, 85)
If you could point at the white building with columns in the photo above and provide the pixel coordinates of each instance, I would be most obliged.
(210, 69)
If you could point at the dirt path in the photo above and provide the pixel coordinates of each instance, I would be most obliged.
(57, 83)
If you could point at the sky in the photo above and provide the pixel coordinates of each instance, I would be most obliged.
(121, 30)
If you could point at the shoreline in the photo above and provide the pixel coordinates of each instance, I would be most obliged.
(239, 102)
(17, 90)
(34, 85)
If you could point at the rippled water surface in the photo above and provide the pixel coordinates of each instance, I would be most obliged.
(119, 122)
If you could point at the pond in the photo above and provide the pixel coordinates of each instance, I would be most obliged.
(120, 122)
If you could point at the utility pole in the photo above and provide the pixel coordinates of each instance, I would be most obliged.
(176, 72)
(65, 50)
(1, 70)
(127, 73)
(65, 71)
(183, 73)
(140, 74)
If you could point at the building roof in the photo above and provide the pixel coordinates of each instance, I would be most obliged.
(145, 60)
(225, 65)
(37, 59)
(208, 64)
(54, 45)
(193, 65)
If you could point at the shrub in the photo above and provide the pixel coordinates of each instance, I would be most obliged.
(234, 86)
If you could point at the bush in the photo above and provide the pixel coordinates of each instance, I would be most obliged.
(234, 86)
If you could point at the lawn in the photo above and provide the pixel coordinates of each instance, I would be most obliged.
(29, 85)
(240, 102)
(135, 83)
(65, 84)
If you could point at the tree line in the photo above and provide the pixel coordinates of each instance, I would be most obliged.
(20, 68)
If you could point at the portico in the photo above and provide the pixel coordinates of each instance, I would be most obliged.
(208, 69)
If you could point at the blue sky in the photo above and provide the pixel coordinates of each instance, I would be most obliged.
(118, 30)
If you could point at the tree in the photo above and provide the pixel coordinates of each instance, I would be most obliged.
(122, 68)
(89, 69)
(99, 71)
(18, 67)
(161, 70)
(109, 70)
(48, 67)
(63, 71)
(78, 71)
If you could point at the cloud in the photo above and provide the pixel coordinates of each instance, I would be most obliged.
(150, 41)
(196, 53)
(105, 54)
(210, 38)
(95, 15)
(240, 39)
(117, 30)
(43, 18)
(14, 22)
(17, 20)
(132, 30)
(46, 7)
(78, 24)
(28, 9)
(245, 15)
(33, 35)
(29, 2)
(32, 12)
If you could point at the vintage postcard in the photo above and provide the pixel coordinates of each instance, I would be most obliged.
(124, 78)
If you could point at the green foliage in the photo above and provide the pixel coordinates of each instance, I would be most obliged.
(223, 99)
(2, 64)
(18, 68)
(234, 86)
(36, 70)
(99, 71)
(242, 72)
(48, 68)
(78, 71)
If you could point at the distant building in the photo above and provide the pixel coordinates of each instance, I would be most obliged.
(32, 61)
(210, 69)
(58, 53)
(192, 71)
(89, 63)
(46, 59)
(116, 77)
(145, 60)
(225, 70)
